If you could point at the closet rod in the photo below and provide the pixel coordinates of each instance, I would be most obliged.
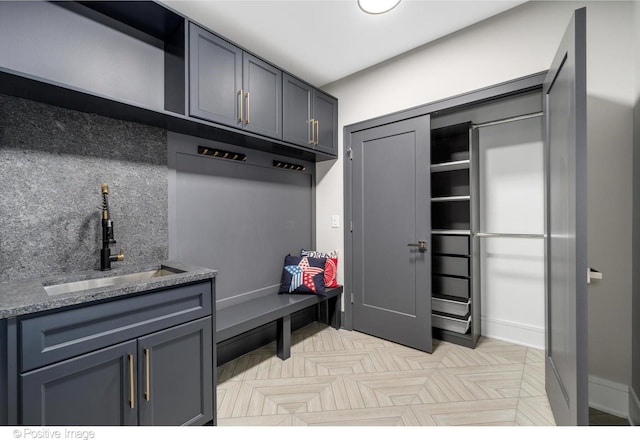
(498, 234)
(511, 119)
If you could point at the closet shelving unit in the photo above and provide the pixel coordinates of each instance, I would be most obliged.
(454, 215)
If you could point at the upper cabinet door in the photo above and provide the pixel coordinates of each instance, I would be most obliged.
(262, 90)
(310, 116)
(215, 78)
(325, 114)
(298, 103)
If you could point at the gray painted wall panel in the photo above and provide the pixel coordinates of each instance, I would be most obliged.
(52, 162)
(240, 218)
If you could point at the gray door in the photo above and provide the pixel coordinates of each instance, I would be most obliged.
(391, 280)
(566, 227)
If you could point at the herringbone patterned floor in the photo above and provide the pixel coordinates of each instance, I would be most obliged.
(339, 378)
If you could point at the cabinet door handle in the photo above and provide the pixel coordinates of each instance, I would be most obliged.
(317, 123)
(147, 392)
(311, 128)
(132, 395)
(240, 105)
(248, 108)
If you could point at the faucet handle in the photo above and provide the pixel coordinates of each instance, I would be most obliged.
(121, 254)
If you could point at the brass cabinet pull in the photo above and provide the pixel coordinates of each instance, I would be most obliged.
(240, 105)
(131, 390)
(248, 108)
(312, 126)
(147, 393)
(317, 123)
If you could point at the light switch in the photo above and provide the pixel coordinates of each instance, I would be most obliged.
(335, 221)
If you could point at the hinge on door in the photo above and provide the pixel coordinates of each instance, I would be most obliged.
(350, 153)
(351, 227)
(351, 297)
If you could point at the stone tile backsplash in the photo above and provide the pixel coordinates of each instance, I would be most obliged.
(52, 162)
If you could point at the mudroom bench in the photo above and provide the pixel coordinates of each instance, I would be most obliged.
(247, 315)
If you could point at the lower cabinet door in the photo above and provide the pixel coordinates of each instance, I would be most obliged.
(96, 389)
(175, 375)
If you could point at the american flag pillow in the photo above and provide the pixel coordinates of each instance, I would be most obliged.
(303, 275)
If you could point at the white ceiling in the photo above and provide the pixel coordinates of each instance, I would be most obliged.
(322, 41)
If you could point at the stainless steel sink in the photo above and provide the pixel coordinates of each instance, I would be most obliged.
(93, 283)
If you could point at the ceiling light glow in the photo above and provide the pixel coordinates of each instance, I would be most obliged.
(377, 6)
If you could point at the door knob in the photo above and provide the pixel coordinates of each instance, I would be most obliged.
(421, 245)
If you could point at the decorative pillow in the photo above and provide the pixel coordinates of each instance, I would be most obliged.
(303, 275)
(331, 266)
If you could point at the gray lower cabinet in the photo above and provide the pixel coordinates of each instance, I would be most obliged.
(161, 379)
(145, 359)
(174, 375)
(232, 87)
(93, 389)
(310, 117)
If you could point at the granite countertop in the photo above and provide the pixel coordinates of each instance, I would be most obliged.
(29, 296)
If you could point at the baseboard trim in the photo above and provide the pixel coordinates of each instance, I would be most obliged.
(634, 408)
(609, 396)
(515, 332)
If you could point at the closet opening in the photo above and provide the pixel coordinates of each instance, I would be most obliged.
(496, 200)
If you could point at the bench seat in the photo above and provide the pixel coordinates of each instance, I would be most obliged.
(247, 315)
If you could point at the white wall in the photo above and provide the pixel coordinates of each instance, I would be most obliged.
(512, 201)
(518, 43)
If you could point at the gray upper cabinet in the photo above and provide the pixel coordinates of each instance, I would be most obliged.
(203, 86)
(232, 87)
(297, 111)
(215, 74)
(310, 117)
(325, 114)
(262, 104)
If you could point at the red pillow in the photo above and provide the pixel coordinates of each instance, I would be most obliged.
(331, 272)
(330, 268)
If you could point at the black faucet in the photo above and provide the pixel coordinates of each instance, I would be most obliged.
(107, 234)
